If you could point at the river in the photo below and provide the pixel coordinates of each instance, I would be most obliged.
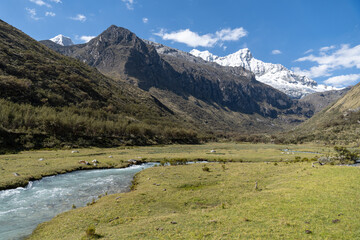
(22, 209)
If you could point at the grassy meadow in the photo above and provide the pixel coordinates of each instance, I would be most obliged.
(291, 201)
(28, 167)
(259, 193)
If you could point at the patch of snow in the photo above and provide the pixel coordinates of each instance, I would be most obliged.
(62, 40)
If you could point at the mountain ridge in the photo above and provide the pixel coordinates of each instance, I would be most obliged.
(122, 55)
(338, 123)
(275, 75)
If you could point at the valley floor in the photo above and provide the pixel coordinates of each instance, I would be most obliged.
(17, 169)
(292, 200)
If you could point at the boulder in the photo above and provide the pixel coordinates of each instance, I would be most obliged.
(132, 161)
(84, 162)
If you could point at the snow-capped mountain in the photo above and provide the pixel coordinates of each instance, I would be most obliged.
(62, 40)
(275, 75)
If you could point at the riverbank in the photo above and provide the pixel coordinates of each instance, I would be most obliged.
(17, 170)
(223, 201)
(20, 214)
(34, 169)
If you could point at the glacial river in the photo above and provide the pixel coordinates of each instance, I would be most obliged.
(22, 209)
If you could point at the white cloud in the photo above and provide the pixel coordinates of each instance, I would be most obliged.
(193, 39)
(276, 51)
(32, 13)
(188, 37)
(145, 20)
(343, 80)
(344, 57)
(50, 14)
(129, 4)
(308, 51)
(79, 17)
(86, 38)
(327, 48)
(56, 1)
(313, 72)
(40, 3)
(228, 34)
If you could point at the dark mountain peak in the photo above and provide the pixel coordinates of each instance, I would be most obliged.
(117, 36)
(113, 26)
(119, 53)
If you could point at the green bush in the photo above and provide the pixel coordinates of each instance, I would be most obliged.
(346, 156)
(206, 168)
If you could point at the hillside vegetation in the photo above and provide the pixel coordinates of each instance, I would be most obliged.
(339, 123)
(49, 100)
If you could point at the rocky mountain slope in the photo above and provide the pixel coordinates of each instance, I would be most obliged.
(49, 100)
(205, 94)
(275, 75)
(339, 123)
(321, 100)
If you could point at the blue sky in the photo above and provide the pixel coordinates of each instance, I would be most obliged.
(314, 37)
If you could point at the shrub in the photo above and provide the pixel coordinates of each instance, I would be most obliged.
(206, 168)
(90, 231)
(346, 156)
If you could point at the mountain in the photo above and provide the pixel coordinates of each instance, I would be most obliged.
(275, 75)
(339, 123)
(50, 100)
(62, 40)
(321, 100)
(207, 95)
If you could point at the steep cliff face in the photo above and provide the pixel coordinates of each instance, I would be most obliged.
(119, 53)
(239, 90)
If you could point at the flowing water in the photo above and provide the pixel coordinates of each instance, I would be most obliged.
(22, 209)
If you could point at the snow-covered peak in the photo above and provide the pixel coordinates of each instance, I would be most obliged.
(62, 40)
(275, 75)
(206, 55)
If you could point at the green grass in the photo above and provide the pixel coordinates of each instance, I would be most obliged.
(223, 204)
(28, 166)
